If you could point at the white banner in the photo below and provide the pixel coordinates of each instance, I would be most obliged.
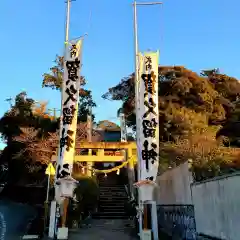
(148, 113)
(71, 87)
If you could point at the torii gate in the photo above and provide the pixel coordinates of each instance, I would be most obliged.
(100, 151)
(105, 152)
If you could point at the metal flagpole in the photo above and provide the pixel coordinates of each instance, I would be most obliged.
(67, 22)
(65, 47)
(137, 110)
(89, 135)
(54, 217)
(65, 50)
(66, 200)
(46, 202)
(137, 107)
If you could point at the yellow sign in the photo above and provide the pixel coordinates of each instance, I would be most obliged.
(50, 170)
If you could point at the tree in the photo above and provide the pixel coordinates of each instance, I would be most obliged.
(188, 102)
(190, 106)
(54, 80)
(86, 103)
(19, 115)
(229, 90)
(25, 133)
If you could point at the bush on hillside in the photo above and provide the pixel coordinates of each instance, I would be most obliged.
(86, 193)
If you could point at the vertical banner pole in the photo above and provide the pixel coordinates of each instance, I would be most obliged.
(54, 206)
(149, 131)
(136, 58)
(154, 220)
(52, 220)
(146, 174)
(89, 135)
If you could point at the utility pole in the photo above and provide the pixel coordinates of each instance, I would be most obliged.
(137, 107)
(54, 113)
(54, 110)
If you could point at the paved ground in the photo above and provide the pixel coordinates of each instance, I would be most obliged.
(107, 230)
(104, 230)
(14, 218)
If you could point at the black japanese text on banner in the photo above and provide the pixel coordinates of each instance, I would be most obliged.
(149, 126)
(71, 78)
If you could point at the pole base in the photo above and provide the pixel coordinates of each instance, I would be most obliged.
(146, 234)
(62, 233)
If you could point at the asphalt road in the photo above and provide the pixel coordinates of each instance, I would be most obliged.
(14, 218)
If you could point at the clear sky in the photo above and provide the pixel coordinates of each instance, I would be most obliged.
(197, 34)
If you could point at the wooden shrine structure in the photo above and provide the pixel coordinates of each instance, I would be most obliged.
(101, 150)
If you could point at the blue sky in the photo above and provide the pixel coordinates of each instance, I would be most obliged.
(197, 34)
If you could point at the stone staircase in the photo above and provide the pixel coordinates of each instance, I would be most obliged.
(112, 199)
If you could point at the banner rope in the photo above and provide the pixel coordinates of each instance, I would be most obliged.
(106, 170)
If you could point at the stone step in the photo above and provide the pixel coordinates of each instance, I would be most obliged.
(117, 206)
(110, 217)
(109, 195)
(112, 187)
(108, 204)
(103, 216)
(112, 212)
(111, 205)
(110, 209)
(110, 190)
(107, 209)
(113, 195)
(108, 201)
(112, 199)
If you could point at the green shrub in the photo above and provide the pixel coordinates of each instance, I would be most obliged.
(87, 193)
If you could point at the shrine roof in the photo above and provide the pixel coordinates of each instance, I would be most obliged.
(108, 126)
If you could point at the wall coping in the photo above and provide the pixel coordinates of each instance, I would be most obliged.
(234, 174)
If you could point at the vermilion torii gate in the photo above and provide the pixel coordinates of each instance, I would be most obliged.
(100, 151)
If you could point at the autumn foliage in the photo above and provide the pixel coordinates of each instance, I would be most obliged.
(198, 117)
